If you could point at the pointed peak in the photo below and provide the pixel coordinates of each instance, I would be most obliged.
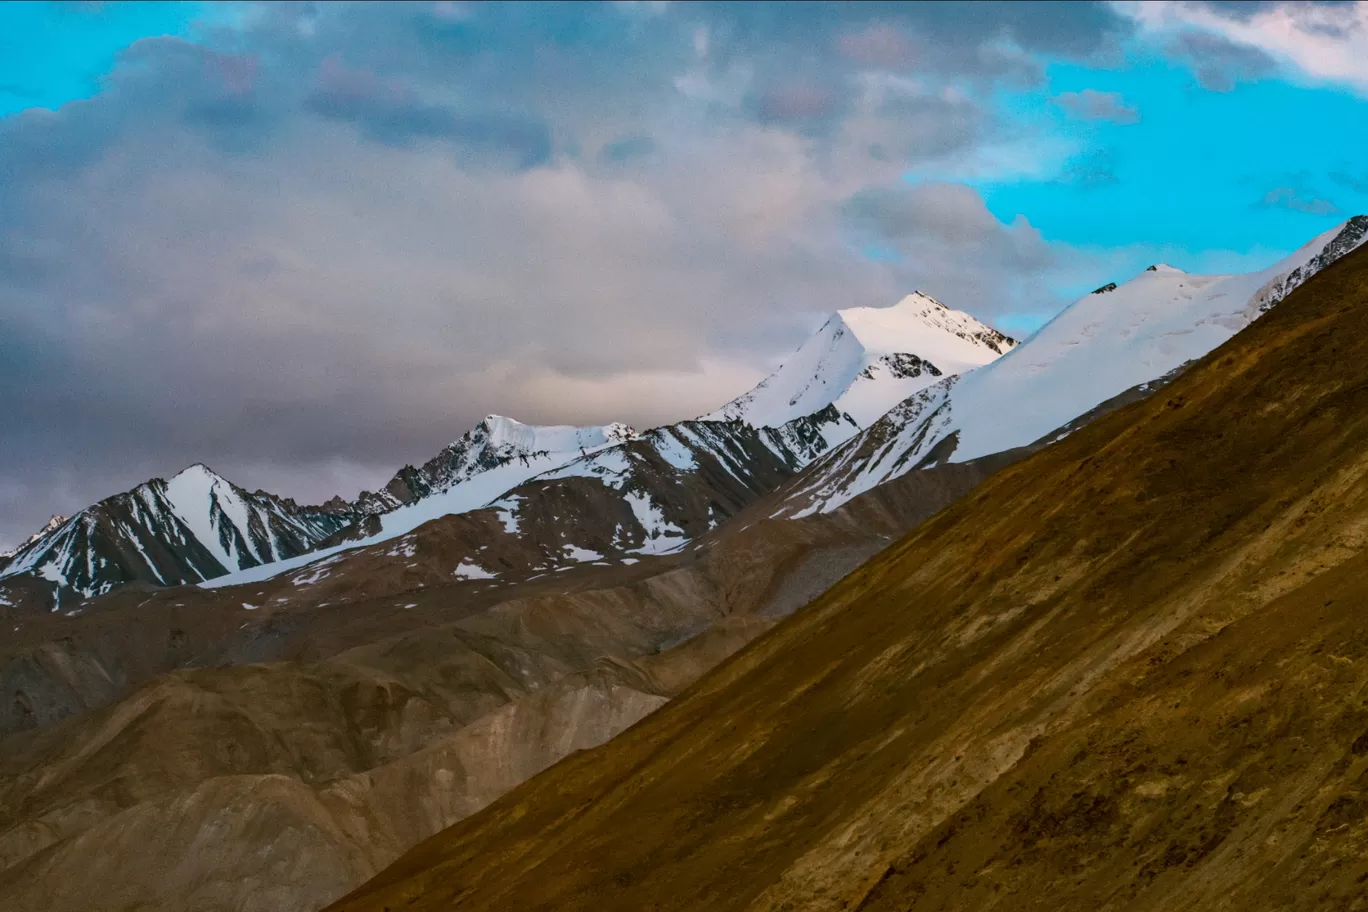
(921, 299)
(1165, 268)
(916, 303)
(493, 419)
(196, 478)
(196, 470)
(918, 324)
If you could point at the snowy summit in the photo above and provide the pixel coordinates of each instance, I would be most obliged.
(865, 360)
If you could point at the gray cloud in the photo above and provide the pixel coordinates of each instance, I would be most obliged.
(1298, 200)
(949, 245)
(1219, 64)
(1354, 182)
(1091, 170)
(1091, 104)
(325, 242)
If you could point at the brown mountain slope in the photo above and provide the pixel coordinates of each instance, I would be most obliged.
(1127, 672)
(280, 786)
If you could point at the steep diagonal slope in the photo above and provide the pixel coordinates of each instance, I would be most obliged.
(1108, 342)
(1127, 672)
(865, 359)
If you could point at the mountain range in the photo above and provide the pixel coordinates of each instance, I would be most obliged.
(1126, 672)
(950, 554)
(198, 526)
(879, 391)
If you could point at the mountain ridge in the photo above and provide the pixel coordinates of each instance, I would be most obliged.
(1098, 347)
(347, 708)
(856, 363)
(173, 531)
(499, 453)
(1108, 677)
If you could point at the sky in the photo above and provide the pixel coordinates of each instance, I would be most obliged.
(308, 243)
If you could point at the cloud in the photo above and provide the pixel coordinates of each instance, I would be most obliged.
(1091, 170)
(1354, 182)
(1297, 200)
(1218, 63)
(326, 239)
(948, 244)
(1326, 42)
(1091, 104)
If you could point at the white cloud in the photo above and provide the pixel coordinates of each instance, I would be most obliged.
(1324, 42)
(337, 245)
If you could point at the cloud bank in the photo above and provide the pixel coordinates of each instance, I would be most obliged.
(317, 241)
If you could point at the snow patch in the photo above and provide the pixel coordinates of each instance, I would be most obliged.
(405, 548)
(469, 571)
(661, 536)
(580, 555)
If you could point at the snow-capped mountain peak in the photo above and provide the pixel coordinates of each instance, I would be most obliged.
(864, 360)
(499, 441)
(922, 325)
(191, 527)
(1099, 347)
(507, 435)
